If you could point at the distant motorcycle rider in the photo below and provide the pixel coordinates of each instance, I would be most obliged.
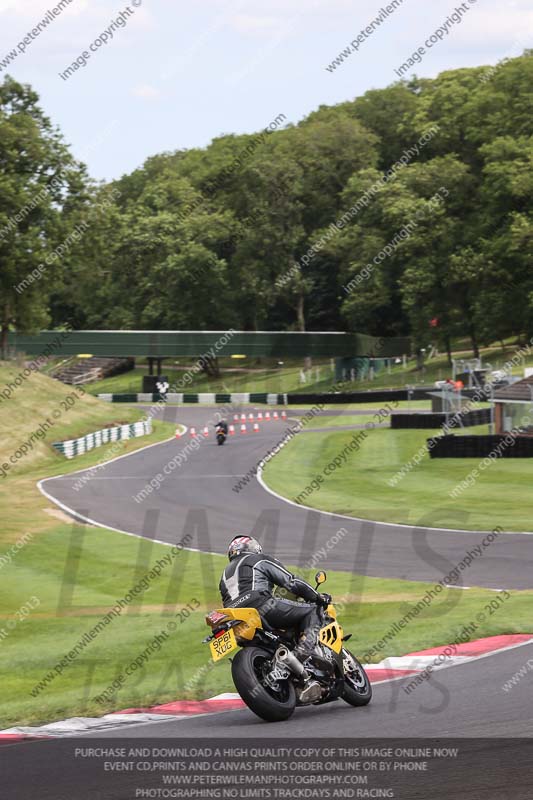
(222, 426)
(248, 581)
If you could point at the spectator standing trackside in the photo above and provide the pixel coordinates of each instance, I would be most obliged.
(162, 388)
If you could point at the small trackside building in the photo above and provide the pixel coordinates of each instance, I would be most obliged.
(513, 408)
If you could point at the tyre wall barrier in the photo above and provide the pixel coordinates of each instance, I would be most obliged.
(75, 447)
(481, 416)
(373, 396)
(495, 446)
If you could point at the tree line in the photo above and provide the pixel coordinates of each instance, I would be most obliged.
(407, 211)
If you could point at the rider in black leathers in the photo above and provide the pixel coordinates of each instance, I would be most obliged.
(249, 580)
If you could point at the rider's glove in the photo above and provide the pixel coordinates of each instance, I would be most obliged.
(324, 600)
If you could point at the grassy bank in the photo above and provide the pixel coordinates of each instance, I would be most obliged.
(40, 411)
(32, 541)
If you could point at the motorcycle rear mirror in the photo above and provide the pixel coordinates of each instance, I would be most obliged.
(320, 577)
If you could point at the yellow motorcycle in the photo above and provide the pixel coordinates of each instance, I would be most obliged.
(267, 674)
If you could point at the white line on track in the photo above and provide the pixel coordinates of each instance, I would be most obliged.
(90, 521)
(260, 479)
(149, 477)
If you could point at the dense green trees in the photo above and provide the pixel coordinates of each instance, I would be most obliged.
(406, 211)
(41, 195)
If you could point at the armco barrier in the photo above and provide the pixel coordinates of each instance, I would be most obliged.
(480, 416)
(207, 398)
(480, 446)
(380, 396)
(75, 447)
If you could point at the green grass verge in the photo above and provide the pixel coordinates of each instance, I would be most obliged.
(346, 419)
(276, 380)
(78, 575)
(500, 496)
(375, 417)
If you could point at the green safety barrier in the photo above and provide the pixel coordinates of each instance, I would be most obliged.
(169, 344)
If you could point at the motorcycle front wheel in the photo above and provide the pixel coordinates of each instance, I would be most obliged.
(357, 688)
(248, 670)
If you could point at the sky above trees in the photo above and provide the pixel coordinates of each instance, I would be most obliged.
(178, 74)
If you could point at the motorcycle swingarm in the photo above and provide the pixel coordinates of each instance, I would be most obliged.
(263, 639)
(334, 694)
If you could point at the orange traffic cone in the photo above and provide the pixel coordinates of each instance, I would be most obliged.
(243, 428)
(193, 431)
(235, 418)
(283, 415)
(250, 417)
(256, 427)
(178, 433)
(276, 415)
(267, 416)
(206, 431)
(260, 415)
(243, 417)
(232, 430)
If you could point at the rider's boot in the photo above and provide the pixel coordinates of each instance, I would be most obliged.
(311, 690)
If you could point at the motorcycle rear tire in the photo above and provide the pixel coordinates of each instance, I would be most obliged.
(263, 703)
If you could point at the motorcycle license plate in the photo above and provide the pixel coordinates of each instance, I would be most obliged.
(223, 645)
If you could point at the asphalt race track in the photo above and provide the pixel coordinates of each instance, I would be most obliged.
(197, 498)
(458, 701)
(464, 700)
(494, 763)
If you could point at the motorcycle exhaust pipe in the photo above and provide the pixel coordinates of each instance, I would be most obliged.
(289, 660)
